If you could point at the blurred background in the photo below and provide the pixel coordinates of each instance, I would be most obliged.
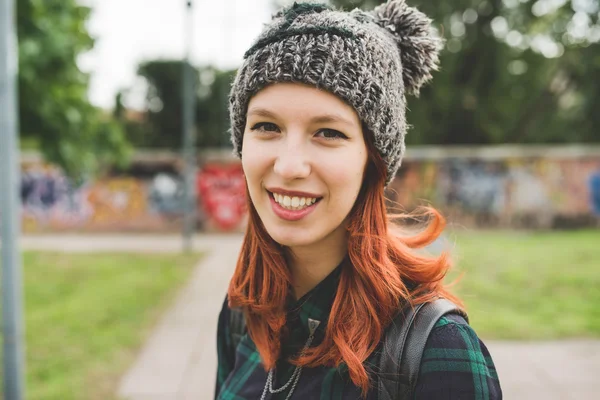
(123, 124)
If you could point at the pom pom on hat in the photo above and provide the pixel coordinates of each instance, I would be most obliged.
(419, 45)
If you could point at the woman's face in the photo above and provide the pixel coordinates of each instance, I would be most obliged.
(304, 156)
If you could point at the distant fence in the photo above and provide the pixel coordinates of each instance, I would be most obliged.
(491, 187)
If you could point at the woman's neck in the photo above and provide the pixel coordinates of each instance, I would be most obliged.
(310, 265)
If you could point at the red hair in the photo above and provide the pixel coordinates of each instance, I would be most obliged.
(384, 270)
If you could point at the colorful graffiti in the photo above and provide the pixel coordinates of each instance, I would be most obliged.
(528, 193)
(117, 200)
(49, 198)
(595, 192)
(51, 202)
(222, 192)
(165, 194)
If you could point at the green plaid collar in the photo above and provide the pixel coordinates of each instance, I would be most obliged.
(316, 304)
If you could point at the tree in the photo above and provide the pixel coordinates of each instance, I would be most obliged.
(162, 125)
(54, 109)
(513, 71)
(213, 107)
(163, 103)
(518, 71)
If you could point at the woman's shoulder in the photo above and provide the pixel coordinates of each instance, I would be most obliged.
(456, 364)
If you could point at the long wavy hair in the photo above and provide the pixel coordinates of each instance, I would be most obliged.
(385, 270)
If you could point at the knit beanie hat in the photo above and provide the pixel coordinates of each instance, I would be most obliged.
(368, 59)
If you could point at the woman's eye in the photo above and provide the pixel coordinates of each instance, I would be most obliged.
(265, 126)
(331, 134)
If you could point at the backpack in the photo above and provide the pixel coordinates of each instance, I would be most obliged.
(404, 340)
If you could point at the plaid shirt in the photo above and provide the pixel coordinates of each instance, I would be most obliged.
(455, 363)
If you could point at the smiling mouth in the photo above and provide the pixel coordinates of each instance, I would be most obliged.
(293, 203)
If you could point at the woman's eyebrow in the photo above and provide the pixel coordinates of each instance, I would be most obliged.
(330, 118)
(324, 118)
(261, 112)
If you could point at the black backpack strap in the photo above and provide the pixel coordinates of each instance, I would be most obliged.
(405, 341)
(237, 326)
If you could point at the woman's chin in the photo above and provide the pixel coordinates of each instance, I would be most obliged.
(292, 237)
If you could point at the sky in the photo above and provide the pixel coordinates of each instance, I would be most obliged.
(128, 32)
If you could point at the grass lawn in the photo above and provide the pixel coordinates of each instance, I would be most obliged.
(519, 285)
(88, 314)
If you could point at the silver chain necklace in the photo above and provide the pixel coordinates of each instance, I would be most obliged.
(312, 327)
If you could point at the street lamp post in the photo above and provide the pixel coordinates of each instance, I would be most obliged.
(12, 292)
(189, 146)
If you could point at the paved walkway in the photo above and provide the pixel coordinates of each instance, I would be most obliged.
(178, 362)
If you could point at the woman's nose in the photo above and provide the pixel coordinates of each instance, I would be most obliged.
(292, 162)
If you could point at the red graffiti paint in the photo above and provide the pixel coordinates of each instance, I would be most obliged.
(222, 193)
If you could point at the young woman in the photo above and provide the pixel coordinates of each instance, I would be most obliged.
(318, 119)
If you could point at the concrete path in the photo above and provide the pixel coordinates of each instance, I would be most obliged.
(560, 370)
(150, 243)
(178, 362)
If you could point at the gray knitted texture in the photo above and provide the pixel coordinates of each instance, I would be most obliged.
(368, 59)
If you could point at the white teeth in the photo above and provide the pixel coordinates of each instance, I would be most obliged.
(293, 203)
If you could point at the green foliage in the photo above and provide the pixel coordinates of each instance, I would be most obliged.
(496, 86)
(163, 102)
(213, 107)
(162, 126)
(53, 104)
(511, 72)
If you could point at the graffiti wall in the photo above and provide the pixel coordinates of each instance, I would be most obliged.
(222, 196)
(522, 192)
(51, 202)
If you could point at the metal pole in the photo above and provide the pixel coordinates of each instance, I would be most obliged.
(189, 145)
(10, 213)
(228, 34)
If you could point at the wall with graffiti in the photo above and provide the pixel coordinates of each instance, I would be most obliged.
(517, 189)
(506, 191)
(141, 201)
(222, 196)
